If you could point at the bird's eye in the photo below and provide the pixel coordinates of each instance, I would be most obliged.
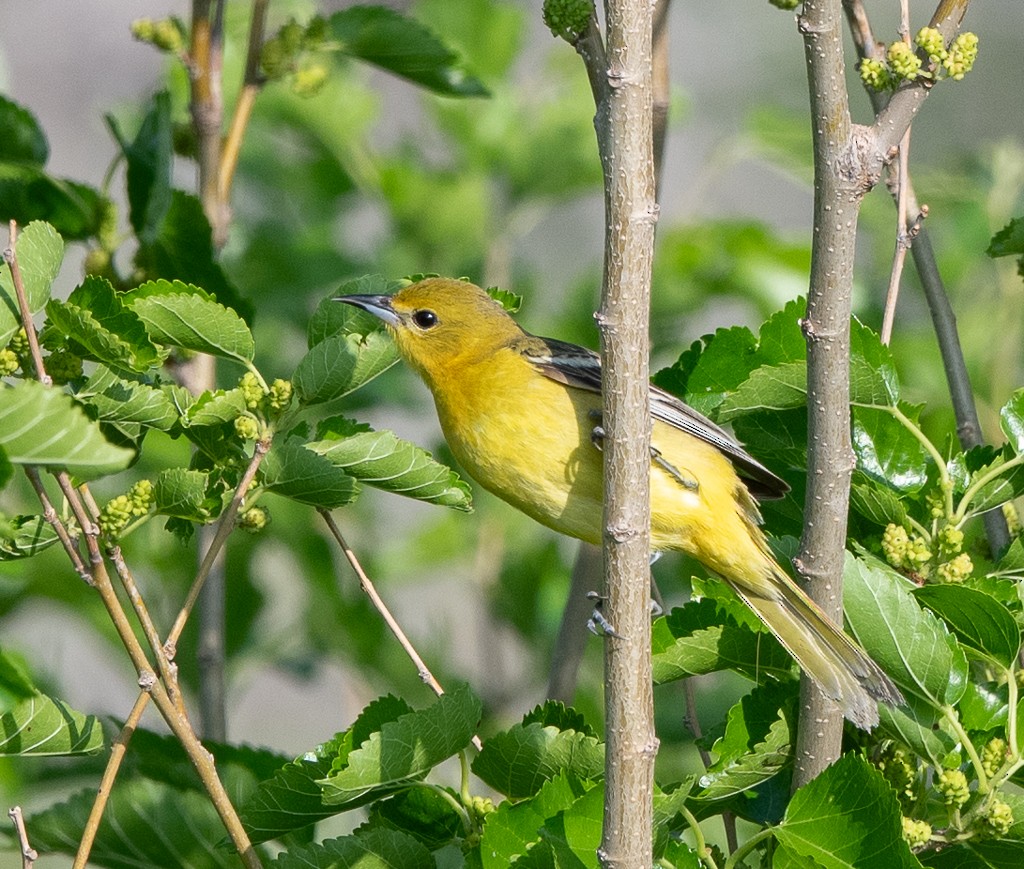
(424, 318)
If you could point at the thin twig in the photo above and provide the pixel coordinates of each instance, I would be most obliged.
(571, 640)
(117, 754)
(252, 84)
(903, 239)
(52, 518)
(28, 853)
(368, 587)
(224, 528)
(693, 722)
(26, 313)
(167, 669)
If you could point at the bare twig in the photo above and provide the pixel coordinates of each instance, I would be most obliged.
(224, 528)
(251, 86)
(117, 753)
(662, 87)
(54, 521)
(826, 328)
(26, 314)
(625, 142)
(366, 584)
(903, 240)
(28, 853)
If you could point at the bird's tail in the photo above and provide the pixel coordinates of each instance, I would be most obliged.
(842, 669)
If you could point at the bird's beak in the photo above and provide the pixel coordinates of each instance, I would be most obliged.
(379, 306)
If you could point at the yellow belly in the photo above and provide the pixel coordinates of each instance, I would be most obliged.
(545, 464)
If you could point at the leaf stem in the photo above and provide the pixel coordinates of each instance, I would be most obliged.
(982, 481)
(737, 856)
(1011, 714)
(703, 851)
(954, 722)
(11, 258)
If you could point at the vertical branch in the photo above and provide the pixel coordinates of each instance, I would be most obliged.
(826, 327)
(624, 128)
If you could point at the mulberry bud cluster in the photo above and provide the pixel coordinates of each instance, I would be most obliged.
(568, 19)
(993, 756)
(916, 833)
(19, 344)
(998, 817)
(952, 787)
(903, 63)
(905, 552)
(119, 511)
(254, 520)
(9, 362)
(252, 392)
(247, 427)
(898, 771)
(167, 34)
(956, 570)
(280, 395)
(293, 51)
(63, 366)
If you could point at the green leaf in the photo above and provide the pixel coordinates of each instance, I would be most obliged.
(149, 157)
(873, 378)
(40, 252)
(698, 638)
(15, 682)
(984, 852)
(101, 328)
(757, 744)
(847, 818)
(291, 799)
(215, 408)
(554, 713)
(28, 194)
(515, 826)
(979, 621)
(1006, 486)
(424, 813)
(383, 460)
(705, 374)
(984, 707)
(1009, 241)
(294, 471)
(41, 725)
(405, 750)
(192, 321)
(917, 724)
(1011, 420)
(184, 493)
(364, 849)
(403, 46)
(183, 251)
(887, 452)
(25, 537)
(519, 760)
(145, 824)
(23, 140)
(769, 388)
(876, 502)
(342, 363)
(575, 834)
(43, 426)
(118, 400)
(910, 643)
(332, 317)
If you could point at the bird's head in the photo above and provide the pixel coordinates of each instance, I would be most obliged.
(439, 323)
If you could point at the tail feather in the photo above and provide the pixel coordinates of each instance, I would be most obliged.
(842, 669)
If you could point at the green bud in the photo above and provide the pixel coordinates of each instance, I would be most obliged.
(916, 833)
(280, 395)
(998, 816)
(993, 756)
(254, 520)
(309, 79)
(903, 61)
(9, 362)
(568, 19)
(63, 366)
(952, 786)
(252, 392)
(247, 427)
(875, 74)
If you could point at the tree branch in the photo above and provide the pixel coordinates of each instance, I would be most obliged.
(625, 142)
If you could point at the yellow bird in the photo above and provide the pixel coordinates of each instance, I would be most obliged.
(519, 413)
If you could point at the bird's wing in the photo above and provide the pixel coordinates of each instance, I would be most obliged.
(581, 368)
